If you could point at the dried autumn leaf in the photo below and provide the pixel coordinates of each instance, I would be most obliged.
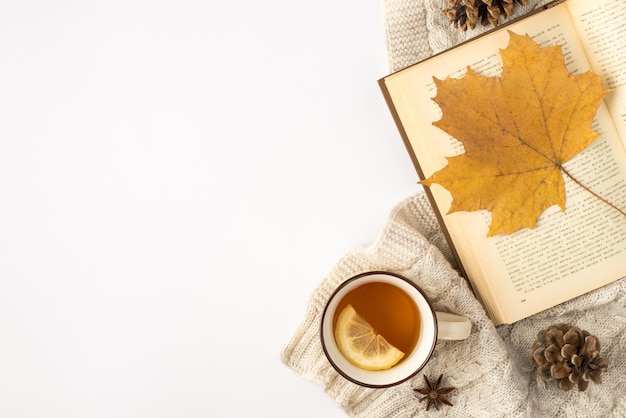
(517, 130)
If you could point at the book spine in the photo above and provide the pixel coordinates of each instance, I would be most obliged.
(554, 3)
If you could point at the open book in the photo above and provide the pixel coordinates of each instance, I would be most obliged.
(568, 253)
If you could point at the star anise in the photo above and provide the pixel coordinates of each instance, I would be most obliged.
(434, 393)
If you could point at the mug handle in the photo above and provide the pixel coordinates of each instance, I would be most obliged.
(452, 327)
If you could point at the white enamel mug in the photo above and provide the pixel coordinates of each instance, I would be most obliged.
(433, 326)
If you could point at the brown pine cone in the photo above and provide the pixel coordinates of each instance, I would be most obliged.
(568, 355)
(464, 14)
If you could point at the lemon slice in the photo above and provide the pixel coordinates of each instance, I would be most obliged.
(361, 344)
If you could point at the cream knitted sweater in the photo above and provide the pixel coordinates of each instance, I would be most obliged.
(492, 369)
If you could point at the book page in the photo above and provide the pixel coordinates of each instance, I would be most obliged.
(601, 25)
(567, 254)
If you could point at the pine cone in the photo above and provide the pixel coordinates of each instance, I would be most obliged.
(568, 355)
(464, 14)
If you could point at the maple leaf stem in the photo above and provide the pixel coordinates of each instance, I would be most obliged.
(591, 191)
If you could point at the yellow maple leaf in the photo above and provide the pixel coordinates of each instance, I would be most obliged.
(517, 130)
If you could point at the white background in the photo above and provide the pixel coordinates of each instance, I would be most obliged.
(176, 178)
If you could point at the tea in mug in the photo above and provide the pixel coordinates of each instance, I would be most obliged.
(391, 314)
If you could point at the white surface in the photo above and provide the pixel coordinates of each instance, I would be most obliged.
(176, 178)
